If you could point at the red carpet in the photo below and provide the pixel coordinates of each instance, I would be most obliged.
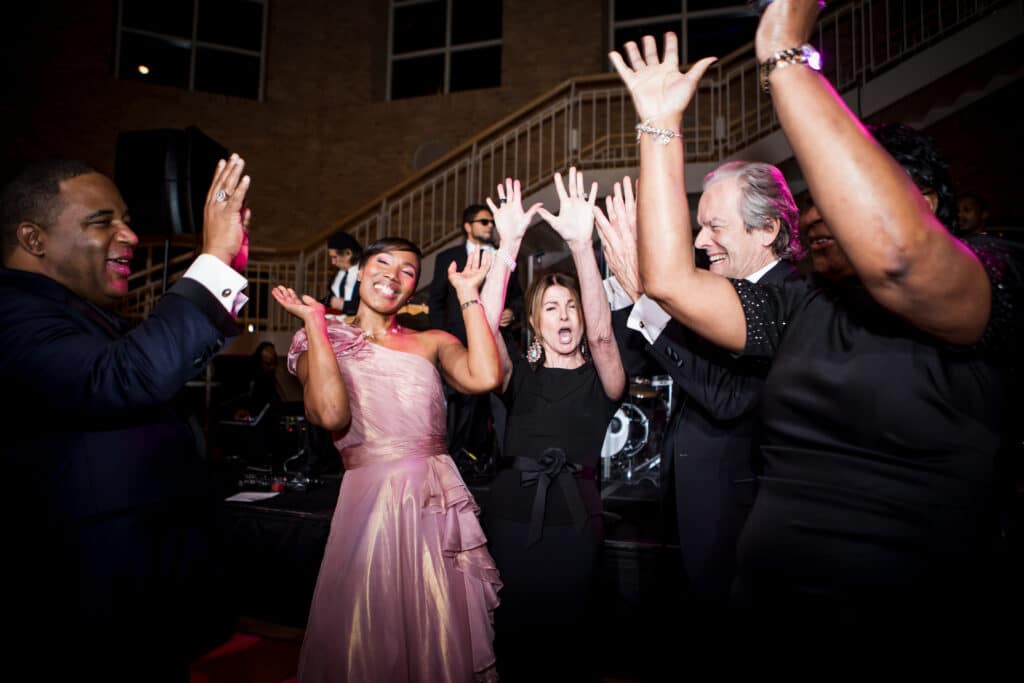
(249, 658)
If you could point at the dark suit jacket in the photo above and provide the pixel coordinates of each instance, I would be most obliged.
(445, 313)
(351, 305)
(711, 444)
(111, 512)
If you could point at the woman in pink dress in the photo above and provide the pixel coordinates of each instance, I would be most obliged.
(407, 589)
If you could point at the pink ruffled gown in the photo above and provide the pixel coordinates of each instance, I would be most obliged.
(407, 588)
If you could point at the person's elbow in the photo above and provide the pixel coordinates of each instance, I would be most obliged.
(332, 418)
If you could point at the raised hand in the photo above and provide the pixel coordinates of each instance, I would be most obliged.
(618, 237)
(305, 308)
(468, 280)
(660, 92)
(575, 219)
(510, 220)
(785, 24)
(225, 219)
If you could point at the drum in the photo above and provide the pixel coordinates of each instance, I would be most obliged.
(627, 435)
(632, 445)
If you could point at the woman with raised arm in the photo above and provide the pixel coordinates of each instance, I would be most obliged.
(543, 514)
(881, 413)
(407, 589)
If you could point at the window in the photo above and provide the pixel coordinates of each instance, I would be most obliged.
(209, 45)
(705, 27)
(442, 46)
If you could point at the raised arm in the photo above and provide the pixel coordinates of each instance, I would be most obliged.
(575, 224)
(701, 300)
(908, 261)
(511, 223)
(323, 389)
(476, 367)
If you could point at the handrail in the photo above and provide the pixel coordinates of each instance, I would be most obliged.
(588, 121)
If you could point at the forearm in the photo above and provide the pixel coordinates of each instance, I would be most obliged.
(596, 312)
(323, 389)
(701, 300)
(483, 366)
(903, 255)
(496, 286)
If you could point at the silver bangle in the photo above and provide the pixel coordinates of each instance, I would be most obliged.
(661, 135)
(470, 303)
(507, 258)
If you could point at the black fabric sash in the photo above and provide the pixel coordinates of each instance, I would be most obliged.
(552, 466)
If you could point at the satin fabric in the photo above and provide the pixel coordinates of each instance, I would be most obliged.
(407, 589)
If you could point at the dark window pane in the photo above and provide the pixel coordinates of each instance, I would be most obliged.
(635, 33)
(166, 62)
(475, 20)
(700, 5)
(418, 76)
(172, 17)
(638, 9)
(227, 73)
(419, 27)
(235, 23)
(472, 69)
(718, 36)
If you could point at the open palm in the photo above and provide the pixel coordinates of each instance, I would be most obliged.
(575, 219)
(510, 220)
(657, 86)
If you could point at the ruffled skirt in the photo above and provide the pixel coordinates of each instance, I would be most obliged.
(407, 588)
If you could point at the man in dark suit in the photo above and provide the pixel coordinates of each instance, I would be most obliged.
(344, 252)
(748, 230)
(110, 512)
(470, 418)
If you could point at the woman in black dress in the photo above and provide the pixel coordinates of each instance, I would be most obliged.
(543, 516)
(881, 427)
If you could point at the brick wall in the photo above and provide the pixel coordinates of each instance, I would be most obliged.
(324, 141)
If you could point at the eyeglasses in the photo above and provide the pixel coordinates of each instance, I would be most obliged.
(484, 221)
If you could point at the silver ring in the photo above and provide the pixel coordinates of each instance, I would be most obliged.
(221, 196)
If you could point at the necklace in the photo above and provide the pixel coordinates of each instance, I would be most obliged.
(373, 334)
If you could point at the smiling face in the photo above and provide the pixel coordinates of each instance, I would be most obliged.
(556, 320)
(733, 250)
(89, 247)
(827, 257)
(387, 279)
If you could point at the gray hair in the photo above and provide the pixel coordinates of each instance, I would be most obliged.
(764, 195)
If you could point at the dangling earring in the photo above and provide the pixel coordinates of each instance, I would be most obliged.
(583, 348)
(535, 352)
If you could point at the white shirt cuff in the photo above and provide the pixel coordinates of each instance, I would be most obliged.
(648, 318)
(617, 297)
(223, 281)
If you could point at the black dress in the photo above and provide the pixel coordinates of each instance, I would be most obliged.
(543, 523)
(877, 505)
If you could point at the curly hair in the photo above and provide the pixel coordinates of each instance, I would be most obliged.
(919, 156)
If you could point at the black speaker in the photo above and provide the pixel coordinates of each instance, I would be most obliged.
(163, 175)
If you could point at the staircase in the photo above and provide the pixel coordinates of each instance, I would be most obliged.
(876, 53)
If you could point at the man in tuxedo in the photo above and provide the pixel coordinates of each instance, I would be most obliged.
(344, 252)
(111, 512)
(748, 222)
(475, 423)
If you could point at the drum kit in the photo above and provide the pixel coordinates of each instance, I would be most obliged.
(632, 444)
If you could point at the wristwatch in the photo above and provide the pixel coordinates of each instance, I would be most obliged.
(805, 54)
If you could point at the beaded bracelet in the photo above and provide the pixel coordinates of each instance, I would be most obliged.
(507, 258)
(661, 135)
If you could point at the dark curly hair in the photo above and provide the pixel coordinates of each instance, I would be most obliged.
(919, 156)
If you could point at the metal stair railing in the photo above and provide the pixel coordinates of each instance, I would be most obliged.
(589, 122)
